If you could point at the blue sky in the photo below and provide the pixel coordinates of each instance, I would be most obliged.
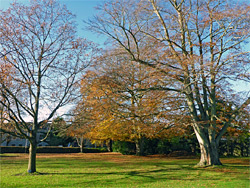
(84, 10)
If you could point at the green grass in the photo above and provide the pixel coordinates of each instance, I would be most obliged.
(115, 170)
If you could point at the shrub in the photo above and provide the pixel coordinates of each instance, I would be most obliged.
(163, 147)
(125, 148)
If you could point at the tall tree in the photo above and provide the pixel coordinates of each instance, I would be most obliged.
(121, 105)
(198, 44)
(39, 42)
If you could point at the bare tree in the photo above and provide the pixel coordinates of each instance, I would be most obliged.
(200, 46)
(46, 58)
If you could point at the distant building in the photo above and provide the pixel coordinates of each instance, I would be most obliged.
(7, 140)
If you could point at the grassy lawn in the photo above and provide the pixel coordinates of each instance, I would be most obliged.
(116, 170)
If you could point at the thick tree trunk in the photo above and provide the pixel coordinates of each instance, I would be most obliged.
(32, 157)
(209, 152)
(209, 155)
(140, 146)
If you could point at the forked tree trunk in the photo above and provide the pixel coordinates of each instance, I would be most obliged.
(81, 144)
(209, 151)
(32, 157)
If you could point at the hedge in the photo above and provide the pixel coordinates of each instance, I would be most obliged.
(49, 149)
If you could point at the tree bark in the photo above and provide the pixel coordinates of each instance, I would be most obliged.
(209, 151)
(81, 148)
(109, 145)
(81, 144)
(140, 146)
(32, 157)
(232, 146)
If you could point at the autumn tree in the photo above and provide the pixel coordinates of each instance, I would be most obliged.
(39, 42)
(200, 46)
(237, 135)
(5, 72)
(81, 123)
(122, 108)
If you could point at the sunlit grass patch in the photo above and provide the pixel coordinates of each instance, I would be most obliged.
(116, 170)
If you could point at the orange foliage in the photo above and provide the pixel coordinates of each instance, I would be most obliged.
(116, 104)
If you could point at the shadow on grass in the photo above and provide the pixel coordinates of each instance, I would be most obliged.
(7, 156)
(141, 172)
(173, 173)
(131, 177)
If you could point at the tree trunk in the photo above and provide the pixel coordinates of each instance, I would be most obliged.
(242, 147)
(140, 146)
(209, 150)
(209, 153)
(8, 139)
(109, 145)
(232, 148)
(81, 148)
(81, 144)
(32, 157)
